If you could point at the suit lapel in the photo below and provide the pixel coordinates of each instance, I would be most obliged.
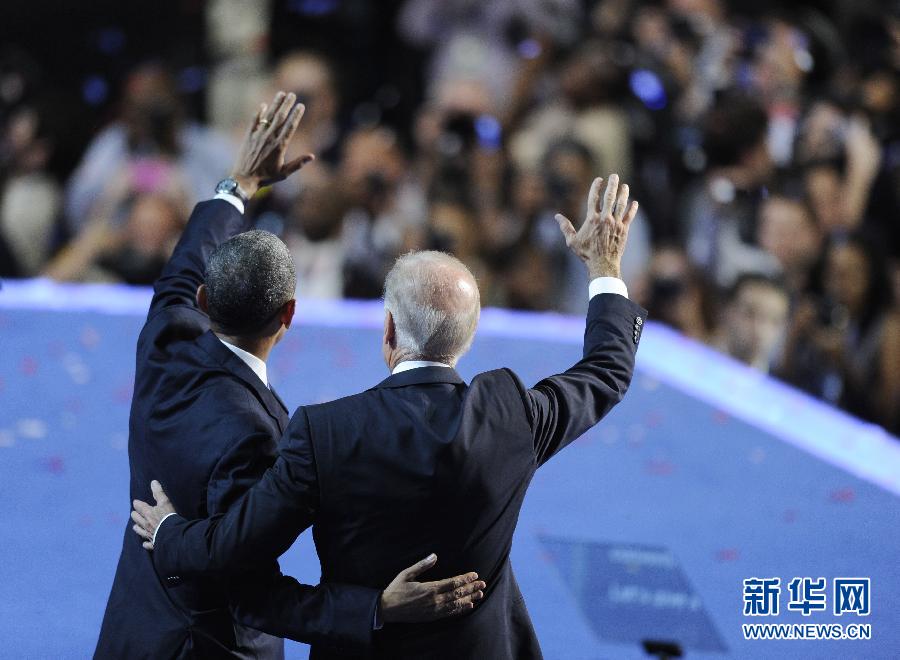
(232, 363)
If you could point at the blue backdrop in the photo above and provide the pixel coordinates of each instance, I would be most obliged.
(705, 475)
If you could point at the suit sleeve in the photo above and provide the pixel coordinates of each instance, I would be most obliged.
(259, 527)
(562, 407)
(336, 616)
(212, 223)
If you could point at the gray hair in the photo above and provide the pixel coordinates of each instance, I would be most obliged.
(249, 278)
(434, 301)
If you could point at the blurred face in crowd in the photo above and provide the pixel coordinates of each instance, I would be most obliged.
(755, 321)
(528, 281)
(823, 187)
(318, 211)
(151, 112)
(527, 193)
(569, 174)
(309, 77)
(847, 275)
(672, 291)
(153, 224)
(372, 166)
(452, 229)
(781, 60)
(789, 233)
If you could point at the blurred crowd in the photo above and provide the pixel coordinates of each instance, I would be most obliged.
(762, 140)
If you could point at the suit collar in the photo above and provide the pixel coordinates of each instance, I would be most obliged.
(237, 367)
(422, 376)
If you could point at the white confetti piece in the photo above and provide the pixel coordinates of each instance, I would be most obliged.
(75, 366)
(118, 441)
(33, 429)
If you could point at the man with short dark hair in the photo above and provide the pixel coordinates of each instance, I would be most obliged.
(204, 414)
(755, 320)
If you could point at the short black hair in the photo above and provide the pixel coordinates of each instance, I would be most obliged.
(248, 279)
(736, 124)
(756, 279)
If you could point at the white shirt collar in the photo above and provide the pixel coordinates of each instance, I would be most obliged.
(406, 365)
(257, 365)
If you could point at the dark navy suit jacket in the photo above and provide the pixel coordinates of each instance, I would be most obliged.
(205, 425)
(422, 462)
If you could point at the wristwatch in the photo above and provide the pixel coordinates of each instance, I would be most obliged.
(230, 187)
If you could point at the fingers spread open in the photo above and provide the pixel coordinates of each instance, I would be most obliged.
(287, 107)
(629, 216)
(594, 197)
(290, 125)
(269, 114)
(609, 197)
(621, 202)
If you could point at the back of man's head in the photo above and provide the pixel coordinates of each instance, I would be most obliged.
(249, 278)
(434, 301)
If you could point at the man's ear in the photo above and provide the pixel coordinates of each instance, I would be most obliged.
(201, 299)
(287, 313)
(390, 331)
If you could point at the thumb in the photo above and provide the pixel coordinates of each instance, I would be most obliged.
(418, 568)
(296, 164)
(158, 493)
(566, 227)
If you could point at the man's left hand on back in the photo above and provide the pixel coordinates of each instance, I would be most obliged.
(403, 601)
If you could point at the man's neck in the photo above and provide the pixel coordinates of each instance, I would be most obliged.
(260, 347)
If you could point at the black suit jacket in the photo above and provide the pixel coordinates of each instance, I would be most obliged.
(203, 421)
(420, 463)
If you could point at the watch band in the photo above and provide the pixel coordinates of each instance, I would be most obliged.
(229, 186)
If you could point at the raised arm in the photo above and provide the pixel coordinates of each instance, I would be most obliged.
(564, 406)
(260, 161)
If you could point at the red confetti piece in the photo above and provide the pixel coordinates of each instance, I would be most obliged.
(28, 366)
(54, 465)
(123, 393)
(721, 417)
(653, 419)
(659, 467)
(728, 554)
(89, 337)
(842, 495)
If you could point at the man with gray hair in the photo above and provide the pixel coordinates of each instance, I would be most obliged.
(205, 414)
(424, 461)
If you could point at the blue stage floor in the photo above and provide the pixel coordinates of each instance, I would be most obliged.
(706, 475)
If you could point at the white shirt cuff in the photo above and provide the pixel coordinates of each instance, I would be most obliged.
(236, 202)
(600, 285)
(156, 531)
